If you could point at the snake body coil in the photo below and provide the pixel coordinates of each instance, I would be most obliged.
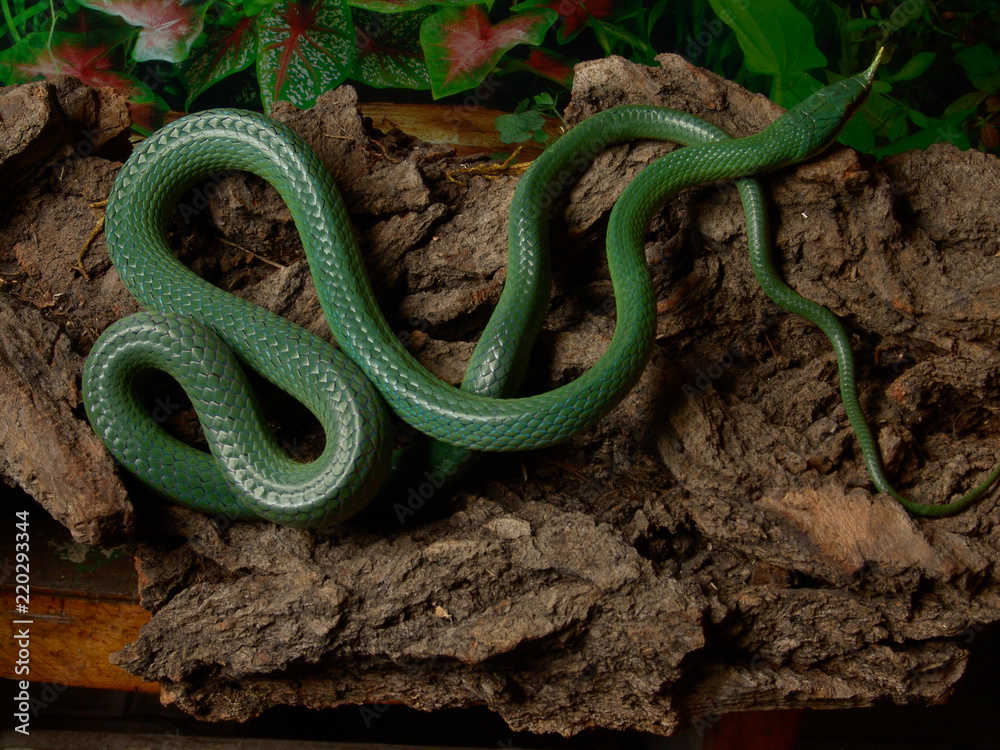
(200, 334)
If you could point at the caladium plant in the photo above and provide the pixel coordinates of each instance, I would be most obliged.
(545, 63)
(303, 49)
(574, 15)
(94, 57)
(296, 49)
(462, 46)
(183, 53)
(400, 6)
(228, 50)
(388, 52)
(167, 28)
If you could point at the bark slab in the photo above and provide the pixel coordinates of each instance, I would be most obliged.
(713, 545)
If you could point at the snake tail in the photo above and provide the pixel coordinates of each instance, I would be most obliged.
(822, 104)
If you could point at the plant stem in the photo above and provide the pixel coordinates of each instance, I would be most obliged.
(11, 28)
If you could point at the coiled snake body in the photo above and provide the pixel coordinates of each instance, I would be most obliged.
(203, 336)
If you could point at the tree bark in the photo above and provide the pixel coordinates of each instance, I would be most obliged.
(713, 545)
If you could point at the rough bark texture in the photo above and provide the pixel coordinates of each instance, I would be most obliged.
(713, 545)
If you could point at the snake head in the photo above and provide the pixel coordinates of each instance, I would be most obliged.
(814, 123)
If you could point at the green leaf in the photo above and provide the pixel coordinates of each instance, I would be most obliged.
(914, 67)
(146, 110)
(918, 118)
(858, 134)
(776, 39)
(978, 60)
(167, 28)
(947, 129)
(654, 15)
(401, 6)
(981, 65)
(965, 102)
(461, 46)
(229, 49)
(253, 7)
(878, 112)
(15, 22)
(859, 24)
(304, 49)
(388, 50)
(519, 127)
(796, 86)
(605, 32)
(898, 126)
(95, 58)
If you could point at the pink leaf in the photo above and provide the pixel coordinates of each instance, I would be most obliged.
(462, 47)
(549, 65)
(88, 57)
(574, 15)
(91, 58)
(168, 28)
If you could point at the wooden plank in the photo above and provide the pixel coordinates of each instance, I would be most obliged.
(83, 606)
(71, 638)
(470, 129)
(114, 741)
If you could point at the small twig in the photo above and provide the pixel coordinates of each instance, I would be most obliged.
(262, 259)
(573, 471)
(492, 170)
(251, 253)
(367, 146)
(384, 154)
(98, 228)
(770, 346)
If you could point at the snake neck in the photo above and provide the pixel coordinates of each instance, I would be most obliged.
(811, 126)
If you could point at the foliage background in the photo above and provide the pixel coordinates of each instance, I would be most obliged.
(939, 82)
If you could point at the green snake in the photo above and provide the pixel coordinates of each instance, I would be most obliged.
(203, 336)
